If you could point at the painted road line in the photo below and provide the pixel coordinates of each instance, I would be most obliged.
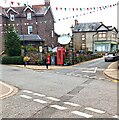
(40, 101)
(10, 91)
(58, 107)
(94, 110)
(115, 81)
(92, 77)
(72, 104)
(90, 70)
(41, 95)
(52, 98)
(25, 96)
(82, 114)
(27, 91)
(116, 116)
(95, 70)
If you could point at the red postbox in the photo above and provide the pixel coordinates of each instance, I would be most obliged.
(60, 55)
(48, 59)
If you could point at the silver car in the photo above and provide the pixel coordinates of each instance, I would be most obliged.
(111, 57)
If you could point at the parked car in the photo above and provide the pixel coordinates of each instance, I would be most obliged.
(111, 57)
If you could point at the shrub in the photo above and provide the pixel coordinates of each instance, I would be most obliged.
(12, 60)
(31, 48)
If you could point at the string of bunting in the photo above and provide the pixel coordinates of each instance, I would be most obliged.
(84, 9)
(38, 22)
(87, 11)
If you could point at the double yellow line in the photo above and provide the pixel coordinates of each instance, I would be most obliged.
(115, 81)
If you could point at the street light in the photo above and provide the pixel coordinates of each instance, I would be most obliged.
(72, 44)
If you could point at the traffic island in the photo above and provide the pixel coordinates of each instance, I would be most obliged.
(112, 71)
(7, 90)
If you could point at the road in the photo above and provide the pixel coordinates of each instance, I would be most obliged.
(81, 91)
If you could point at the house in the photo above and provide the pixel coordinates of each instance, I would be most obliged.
(94, 36)
(105, 39)
(34, 24)
(3, 22)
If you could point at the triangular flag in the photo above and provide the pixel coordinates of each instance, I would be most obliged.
(81, 9)
(12, 2)
(18, 3)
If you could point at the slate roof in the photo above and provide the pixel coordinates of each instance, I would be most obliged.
(38, 10)
(30, 37)
(3, 12)
(87, 26)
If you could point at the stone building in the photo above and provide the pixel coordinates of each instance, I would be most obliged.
(34, 24)
(94, 37)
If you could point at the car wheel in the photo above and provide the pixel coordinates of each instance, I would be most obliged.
(105, 60)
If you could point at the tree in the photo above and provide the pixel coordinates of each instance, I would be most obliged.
(12, 42)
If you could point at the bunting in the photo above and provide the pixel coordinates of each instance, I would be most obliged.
(85, 11)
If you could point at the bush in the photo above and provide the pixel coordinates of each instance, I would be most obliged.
(12, 60)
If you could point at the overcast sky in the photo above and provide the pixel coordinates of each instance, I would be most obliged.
(107, 16)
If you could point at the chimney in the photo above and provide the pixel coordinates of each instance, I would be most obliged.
(47, 2)
(76, 22)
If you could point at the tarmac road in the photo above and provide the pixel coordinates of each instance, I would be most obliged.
(64, 94)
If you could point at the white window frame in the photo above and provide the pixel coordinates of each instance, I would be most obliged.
(102, 35)
(12, 17)
(30, 29)
(29, 16)
(83, 37)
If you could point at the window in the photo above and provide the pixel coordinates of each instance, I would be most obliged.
(83, 37)
(113, 36)
(29, 16)
(30, 30)
(12, 17)
(102, 34)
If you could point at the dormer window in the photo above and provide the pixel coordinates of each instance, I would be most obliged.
(12, 17)
(29, 16)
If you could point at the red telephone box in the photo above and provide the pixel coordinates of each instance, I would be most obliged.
(60, 55)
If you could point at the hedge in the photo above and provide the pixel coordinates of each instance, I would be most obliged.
(12, 60)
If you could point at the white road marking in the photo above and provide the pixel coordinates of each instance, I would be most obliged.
(41, 95)
(72, 104)
(54, 99)
(91, 71)
(116, 116)
(58, 107)
(40, 101)
(27, 91)
(94, 110)
(93, 77)
(77, 75)
(10, 91)
(82, 114)
(101, 78)
(25, 96)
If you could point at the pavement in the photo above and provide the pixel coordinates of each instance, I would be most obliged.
(6, 90)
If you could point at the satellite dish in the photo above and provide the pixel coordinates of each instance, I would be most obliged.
(64, 39)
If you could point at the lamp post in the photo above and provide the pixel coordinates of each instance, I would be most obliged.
(72, 44)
